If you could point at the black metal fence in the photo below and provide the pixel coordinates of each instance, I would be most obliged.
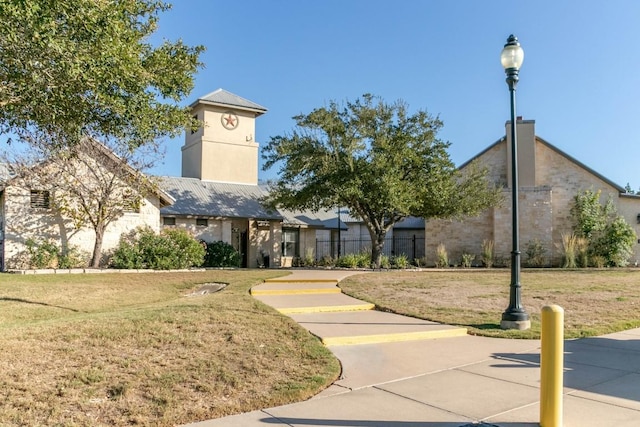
(410, 246)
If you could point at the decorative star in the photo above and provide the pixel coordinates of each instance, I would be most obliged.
(230, 121)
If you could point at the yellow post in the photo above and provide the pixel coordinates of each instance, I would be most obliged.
(551, 366)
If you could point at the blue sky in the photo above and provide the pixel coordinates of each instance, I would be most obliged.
(580, 80)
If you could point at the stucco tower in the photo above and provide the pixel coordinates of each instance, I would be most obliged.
(223, 149)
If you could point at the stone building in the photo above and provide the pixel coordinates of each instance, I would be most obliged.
(28, 211)
(549, 180)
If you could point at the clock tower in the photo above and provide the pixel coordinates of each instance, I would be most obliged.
(223, 149)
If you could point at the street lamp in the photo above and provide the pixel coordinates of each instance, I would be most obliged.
(515, 316)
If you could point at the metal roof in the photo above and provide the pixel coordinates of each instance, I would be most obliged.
(217, 199)
(225, 98)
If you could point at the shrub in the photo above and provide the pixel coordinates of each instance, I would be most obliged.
(221, 254)
(569, 250)
(309, 258)
(190, 252)
(42, 254)
(488, 255)
(364, 259)
(326, 261)
(385, 262)
(348, 261)
(442, 258)
(467, 260)
(72, 257)
(535, 253)
(400, 261)
(127, 256)
(172, 249)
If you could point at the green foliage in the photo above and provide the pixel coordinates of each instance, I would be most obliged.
(85, 67)
(72, 257)
(190, 252)
(616, 243)
(46, 254)
(42, 254)
(221, 254)
(385, 262)
(467, 260)
(377, 159)
(589, 216)
(442, 257)
(347, 261)
(169, 250)
(536, 253)
(488, 254)
(608, 235)
(400, 261)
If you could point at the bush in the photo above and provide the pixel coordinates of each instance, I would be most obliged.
(400, 261)
(46, 254)
(347, 261)
(442, 258)
(467, 260)
(170, 250)
(385, 262)
(221, 254)
(488, 255)
(535, 253)
(42, 254)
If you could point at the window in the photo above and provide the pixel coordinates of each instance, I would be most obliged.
(290, 242)
(168, 220)
(202, 222)
(40, 199)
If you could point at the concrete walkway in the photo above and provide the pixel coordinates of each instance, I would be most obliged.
(403, 372)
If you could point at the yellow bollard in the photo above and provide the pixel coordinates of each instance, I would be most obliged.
(551, 366)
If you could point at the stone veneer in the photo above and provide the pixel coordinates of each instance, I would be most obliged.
(544, 210)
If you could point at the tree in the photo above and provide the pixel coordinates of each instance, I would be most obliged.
(89, 186)
(75, 68)
(608, 234)
(378, 160)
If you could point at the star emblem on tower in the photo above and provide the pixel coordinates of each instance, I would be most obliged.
(229, 120)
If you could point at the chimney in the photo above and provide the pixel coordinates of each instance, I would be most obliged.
(526, 137)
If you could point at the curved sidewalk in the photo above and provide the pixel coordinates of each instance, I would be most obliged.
(404, 372)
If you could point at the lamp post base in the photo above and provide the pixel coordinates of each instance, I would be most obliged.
(520, 325)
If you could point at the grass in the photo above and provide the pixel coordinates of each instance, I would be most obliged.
(133, 349)
(596, 302)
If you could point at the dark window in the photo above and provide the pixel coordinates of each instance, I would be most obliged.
(202, 222)
(168, 220)
(40, 199)
(290, 242)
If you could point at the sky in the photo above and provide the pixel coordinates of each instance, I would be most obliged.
(580, 80)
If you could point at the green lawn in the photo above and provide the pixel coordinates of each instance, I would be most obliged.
(133, 349)
(596, 302)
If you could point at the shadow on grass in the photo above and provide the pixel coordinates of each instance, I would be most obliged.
(24, 301)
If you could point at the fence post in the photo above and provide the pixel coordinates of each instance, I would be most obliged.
(551, 366)
(413, 248)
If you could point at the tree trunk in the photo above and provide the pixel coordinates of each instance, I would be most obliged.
(377, 243)
(97, 248)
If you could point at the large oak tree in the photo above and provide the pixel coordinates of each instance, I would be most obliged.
(75, 68)
(377, 159)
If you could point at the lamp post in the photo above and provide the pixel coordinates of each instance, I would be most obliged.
(339, 229)
(515, 316)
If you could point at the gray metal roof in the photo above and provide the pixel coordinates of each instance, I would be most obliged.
(321, 219)
(225, 98)
(206, 198)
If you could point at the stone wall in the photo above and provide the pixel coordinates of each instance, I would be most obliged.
(544, 210)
